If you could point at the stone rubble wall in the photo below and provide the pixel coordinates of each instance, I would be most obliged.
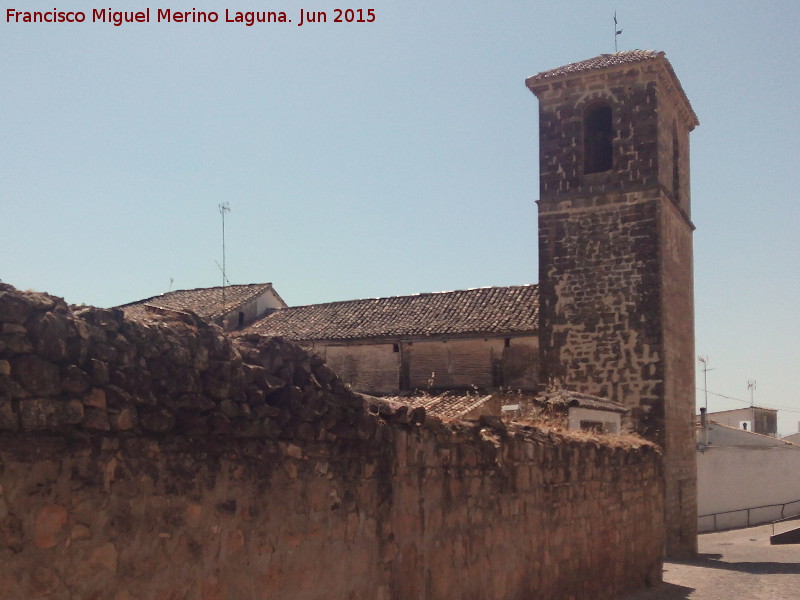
(165, 460)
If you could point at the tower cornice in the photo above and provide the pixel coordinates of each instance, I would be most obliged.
(612, 66)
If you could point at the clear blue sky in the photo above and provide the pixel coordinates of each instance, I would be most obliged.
(388, 158)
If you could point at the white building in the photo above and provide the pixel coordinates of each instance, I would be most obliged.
(752, 418)
(744, 478)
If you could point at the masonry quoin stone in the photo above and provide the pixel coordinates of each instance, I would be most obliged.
(163, 458)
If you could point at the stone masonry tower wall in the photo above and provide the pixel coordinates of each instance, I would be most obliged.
(615, 253)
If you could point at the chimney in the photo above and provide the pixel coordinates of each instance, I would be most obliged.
(704, 427)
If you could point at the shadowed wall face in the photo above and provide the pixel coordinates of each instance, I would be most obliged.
(456, 364)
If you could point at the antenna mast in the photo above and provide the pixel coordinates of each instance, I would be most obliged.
(704, 360)
(751, 385)
(223, 208)
(616, 31)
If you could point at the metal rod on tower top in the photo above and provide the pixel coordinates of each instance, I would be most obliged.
(616, 31)
(223, 208)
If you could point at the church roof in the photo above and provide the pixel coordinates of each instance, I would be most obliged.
(204, 302)
(599, 62)
(491, 311)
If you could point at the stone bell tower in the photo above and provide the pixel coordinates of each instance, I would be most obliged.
(615, 253)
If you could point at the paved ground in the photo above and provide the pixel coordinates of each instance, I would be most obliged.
(733, 565)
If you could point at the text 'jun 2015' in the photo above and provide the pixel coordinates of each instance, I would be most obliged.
(118, 18)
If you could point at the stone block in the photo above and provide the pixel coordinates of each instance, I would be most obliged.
(12, 308)
(49, 413)
(288, 397)
(96, 419)
(48, 525)
(99, 372)
(108, 319)
(8, 417)
(50, 333)
(96, 398)
(74, 380)
(191, 422)
(197, 402)
(124, 418)
(156, 420)
(11, 534)
(15, 343)
(11, 389)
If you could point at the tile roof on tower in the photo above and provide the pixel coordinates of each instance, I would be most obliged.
(600, 62)
(606, 61)
(482, 311)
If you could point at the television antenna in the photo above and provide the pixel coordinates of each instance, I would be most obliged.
(617, 32)
(704, 361)
(219, 266)
(751, 385)
(224, 207)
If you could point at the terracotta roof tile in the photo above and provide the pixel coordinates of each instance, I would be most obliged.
(204, 302)
(599, 62)
(449, 405)
(481, 311)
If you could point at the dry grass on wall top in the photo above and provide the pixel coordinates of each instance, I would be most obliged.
(533, 415)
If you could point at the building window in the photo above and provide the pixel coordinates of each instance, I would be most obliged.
(593, 426)
(597, 136)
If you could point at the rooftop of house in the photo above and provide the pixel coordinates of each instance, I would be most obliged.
(744, 409)
(491, 311)
(204, 302)
(726, 435)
